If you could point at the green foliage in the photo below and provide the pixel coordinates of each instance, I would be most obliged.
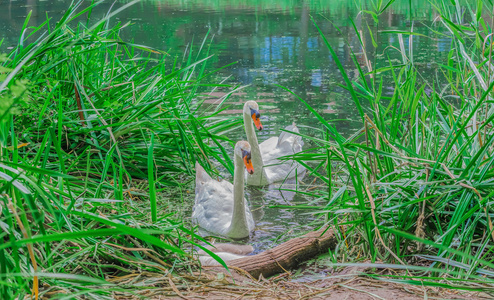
(416, 182)
(83, 116)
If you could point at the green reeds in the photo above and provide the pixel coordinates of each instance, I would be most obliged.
(416, 182)
(84, 116)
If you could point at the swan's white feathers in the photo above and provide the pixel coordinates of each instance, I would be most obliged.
(292, 139)
(201, 175)
(275, 147)
(230, 248)
(213, 208)
(265, 155)
(208, 261)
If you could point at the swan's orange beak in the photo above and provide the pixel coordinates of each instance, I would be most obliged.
(256, 117)
(248, 162)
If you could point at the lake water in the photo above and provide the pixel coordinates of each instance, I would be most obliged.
(272, 43)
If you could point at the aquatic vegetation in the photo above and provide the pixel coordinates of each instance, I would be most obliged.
(416, 183)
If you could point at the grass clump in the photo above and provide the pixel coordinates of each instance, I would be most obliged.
(85, 117)
(415, 185)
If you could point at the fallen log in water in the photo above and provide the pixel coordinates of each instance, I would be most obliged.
(287, 255)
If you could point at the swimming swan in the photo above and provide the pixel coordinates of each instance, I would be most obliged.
(267, 152)
(220, 206)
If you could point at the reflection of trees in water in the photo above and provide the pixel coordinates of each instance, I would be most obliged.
(272, 43)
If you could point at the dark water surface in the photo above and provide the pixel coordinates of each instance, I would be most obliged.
(272, 43)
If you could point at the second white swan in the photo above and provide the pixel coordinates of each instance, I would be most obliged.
(269, 168)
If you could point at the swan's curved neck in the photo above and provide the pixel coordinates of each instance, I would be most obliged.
(255, 151)
(238, 226)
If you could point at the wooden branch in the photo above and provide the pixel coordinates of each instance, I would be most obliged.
(287, 255)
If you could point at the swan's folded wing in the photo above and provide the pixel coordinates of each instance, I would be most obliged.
(277, 169)
(268, 148)
(271, 150)
(213, 205)
(292, 139)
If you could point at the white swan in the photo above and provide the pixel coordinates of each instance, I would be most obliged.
(220, 206)
(268, 152)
